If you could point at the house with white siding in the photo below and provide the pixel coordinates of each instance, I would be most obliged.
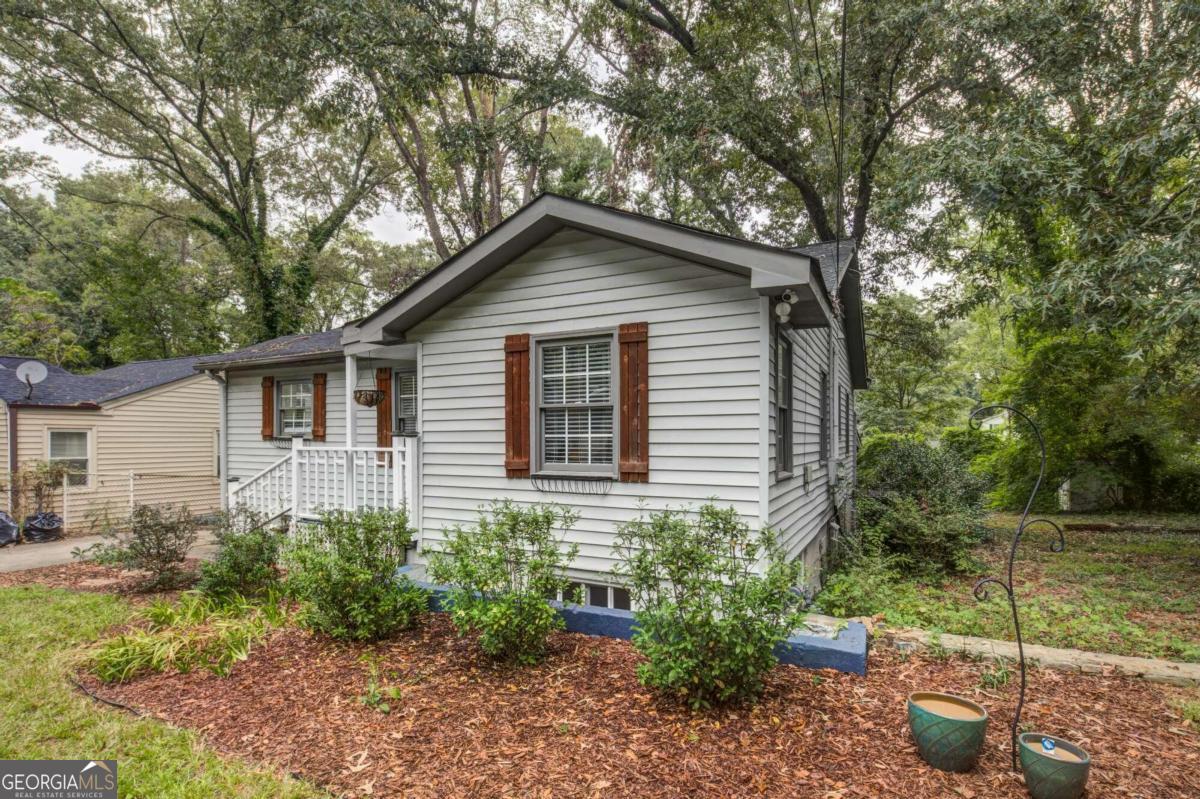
(575, 354)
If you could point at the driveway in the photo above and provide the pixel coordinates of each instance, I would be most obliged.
(56, 553)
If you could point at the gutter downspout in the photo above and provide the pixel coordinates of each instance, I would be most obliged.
(222, 436)
(12, 454)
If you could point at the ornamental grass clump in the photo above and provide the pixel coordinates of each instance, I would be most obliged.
(344, 572)
(501, 572)
(195, 632)
(713, 600)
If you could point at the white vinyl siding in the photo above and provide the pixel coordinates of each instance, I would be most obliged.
(704, 383)
(248, 453)
(800, 512)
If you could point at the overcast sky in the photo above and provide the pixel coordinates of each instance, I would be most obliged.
(391, 224)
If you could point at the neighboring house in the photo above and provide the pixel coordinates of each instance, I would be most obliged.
(574, 354)
(144, 432)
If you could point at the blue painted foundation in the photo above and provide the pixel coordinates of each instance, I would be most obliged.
(845, 651)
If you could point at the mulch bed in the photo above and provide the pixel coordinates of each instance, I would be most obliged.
(93, 577)
(581, 725)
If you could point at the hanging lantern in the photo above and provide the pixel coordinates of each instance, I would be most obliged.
(368, 397)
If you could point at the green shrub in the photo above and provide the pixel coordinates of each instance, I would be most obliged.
(195, 632)
(152, 539)
(919, 504)
(246, 563)
(501, 572)
(707, 621)
(344, 572)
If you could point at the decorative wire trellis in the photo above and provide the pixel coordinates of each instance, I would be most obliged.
(981, 592)
(594, 486)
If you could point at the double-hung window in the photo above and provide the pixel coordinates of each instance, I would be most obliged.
(824, 417)
(783, 402)
(72, 449)
(406, 403)
(295, 408)
(575, 407)
(843, 421)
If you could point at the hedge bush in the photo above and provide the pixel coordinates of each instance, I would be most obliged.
(707, 621)
(501, 572)
(344, 572)
(919, 504)
(246, 563)
(152, 539)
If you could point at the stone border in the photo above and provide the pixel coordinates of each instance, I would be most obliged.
(1149, 669)
(829, 643)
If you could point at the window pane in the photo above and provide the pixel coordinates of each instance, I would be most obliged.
(406, 395)
(69, 445)
(621, 599)
(577, 435)
(598, 595)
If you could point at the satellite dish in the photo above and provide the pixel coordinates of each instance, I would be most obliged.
(31, 373)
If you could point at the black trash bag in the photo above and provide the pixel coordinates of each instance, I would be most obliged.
(43, 526)
(10, 533)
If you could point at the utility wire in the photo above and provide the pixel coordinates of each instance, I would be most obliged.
(841, 144)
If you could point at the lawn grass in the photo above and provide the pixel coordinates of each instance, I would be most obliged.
(42, 631)
(1128, 593)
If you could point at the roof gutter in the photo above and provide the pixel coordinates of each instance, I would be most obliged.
(78, 406)
(250, 363)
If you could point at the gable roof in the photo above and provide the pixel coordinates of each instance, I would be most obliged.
(295, 347)
(834, 258)
(770, 269)
(62, 389)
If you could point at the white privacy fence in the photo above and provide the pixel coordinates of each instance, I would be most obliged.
(311, 479)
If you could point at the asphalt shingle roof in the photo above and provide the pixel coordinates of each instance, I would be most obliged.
(63, 389)
(826, 253)
(284, 348)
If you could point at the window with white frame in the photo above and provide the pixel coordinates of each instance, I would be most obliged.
(596, 595)
(295, 407)
(72, 448)
(406, 403)
(784, 365)
(575, 409)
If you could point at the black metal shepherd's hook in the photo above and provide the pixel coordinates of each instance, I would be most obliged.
(981, 592)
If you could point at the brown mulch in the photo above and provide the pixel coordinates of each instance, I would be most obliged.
(80, 576)
(581, 725)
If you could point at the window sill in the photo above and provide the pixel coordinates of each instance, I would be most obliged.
(597, 476)
(781, 475)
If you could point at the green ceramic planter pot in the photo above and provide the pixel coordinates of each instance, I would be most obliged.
(949, 730)
(1049, 777)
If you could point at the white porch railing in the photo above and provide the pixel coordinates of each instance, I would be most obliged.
(311, 479)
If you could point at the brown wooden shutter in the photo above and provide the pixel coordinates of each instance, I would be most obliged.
(634, 431)
(516, 405)
(268, 407)
(318, 424)
(383, 411)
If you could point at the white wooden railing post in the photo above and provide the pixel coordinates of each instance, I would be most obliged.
(297, 445)
(412, 476)
(399, 466)
(64, 513)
